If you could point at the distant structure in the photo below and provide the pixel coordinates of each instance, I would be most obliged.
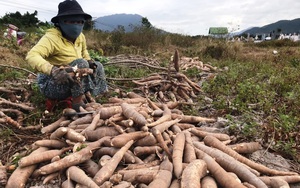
(218, 32)
(295, 37)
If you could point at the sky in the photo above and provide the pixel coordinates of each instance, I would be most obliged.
(187, 17)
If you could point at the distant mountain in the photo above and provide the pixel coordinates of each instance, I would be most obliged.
(282, 26)
(112, 22)
(128, 21)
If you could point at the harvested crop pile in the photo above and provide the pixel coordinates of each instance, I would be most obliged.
(136, 142)
(15, 104)
(171, 84)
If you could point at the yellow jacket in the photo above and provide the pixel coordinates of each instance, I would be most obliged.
(54, 49)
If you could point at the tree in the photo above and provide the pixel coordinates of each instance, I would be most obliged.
(88, 25)
(21, 21)
(146, 23)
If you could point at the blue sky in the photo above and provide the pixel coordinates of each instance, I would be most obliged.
(189, 17)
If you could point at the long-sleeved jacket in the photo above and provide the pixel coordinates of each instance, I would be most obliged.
(54, 50)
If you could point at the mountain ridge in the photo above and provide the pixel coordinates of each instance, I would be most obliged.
(129, 21)
(281, 26)
(112, 22)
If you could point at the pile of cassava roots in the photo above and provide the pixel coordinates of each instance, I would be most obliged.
(139, 141)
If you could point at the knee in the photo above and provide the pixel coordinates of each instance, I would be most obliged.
(81, 63)
(99, 67)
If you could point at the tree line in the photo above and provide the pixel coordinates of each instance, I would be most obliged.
(28, 20)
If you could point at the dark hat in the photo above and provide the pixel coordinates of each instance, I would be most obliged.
(69, 7)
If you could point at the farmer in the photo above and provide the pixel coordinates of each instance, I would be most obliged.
(59, 52)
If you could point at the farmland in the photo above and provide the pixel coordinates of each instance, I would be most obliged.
(254, 91)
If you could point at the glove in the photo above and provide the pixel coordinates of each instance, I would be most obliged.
(61, 76)
(92, 64)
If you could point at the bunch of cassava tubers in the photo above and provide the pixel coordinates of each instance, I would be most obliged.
(135, 142)
(170, 85)
(188, 63)
(14, 105)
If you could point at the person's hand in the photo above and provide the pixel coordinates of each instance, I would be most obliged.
(92, 64)
(61, 76)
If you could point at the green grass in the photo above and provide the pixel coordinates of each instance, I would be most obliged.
(266, 88)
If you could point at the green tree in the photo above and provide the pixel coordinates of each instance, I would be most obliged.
(146, 23)
(89, 25)
(117, 37)
(21, 21)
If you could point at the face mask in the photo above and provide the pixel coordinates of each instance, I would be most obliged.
(71, 27)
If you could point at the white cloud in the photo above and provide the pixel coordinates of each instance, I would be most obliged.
(193, 17)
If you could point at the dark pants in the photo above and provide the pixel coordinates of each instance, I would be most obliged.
(95, 83)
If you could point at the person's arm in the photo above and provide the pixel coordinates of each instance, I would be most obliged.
(36, 56)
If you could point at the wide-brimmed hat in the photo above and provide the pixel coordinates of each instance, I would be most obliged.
(69, 7)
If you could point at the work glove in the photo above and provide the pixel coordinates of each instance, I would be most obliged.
(61, 76)
(92, 64)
